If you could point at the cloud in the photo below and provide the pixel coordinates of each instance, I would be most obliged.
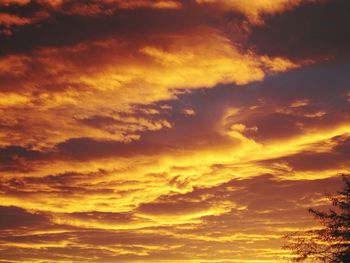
(307, 103)
(76, 84)
(17, 2)
(16, 158)
(8, 20)
(254, 10)
(303, 34)
(80, 149)
(327, 155)
(15, 217)
(231, 125)
(263, 220)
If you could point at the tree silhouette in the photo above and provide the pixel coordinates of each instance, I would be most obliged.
(331, 243)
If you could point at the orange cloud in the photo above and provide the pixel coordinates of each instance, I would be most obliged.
(147, 3)
(106, 7)
(73, 84)
(10, 20)
(254, 9)
(10, 2)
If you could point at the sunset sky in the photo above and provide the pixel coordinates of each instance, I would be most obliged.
(169, 130)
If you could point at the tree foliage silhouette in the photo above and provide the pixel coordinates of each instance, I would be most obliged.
(331, 243)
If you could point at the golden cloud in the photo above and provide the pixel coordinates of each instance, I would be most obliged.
(103, 78)
(254, 9)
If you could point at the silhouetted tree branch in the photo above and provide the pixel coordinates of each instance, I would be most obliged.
(331, 243)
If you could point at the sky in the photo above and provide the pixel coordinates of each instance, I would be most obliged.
(169, 130)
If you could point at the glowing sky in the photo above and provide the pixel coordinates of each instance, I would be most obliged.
(168, 130)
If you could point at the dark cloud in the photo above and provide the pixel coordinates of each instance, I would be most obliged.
(103, 217)
(12, 217)
(44, 238)
(88, 148)
(250, 190)
(58, 26)
(310, 31)
(343, 146)
(102, 237)
(17, 158)
(312, 160)
(64, 30)
(99, 121)
(69, 183)
(173, 208)
(268, 105)
(188, 132)
(10, 153)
